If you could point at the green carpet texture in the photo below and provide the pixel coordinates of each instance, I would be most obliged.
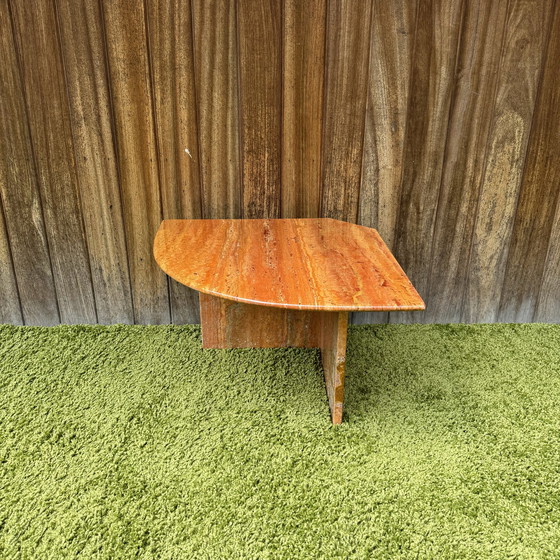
(133, 442)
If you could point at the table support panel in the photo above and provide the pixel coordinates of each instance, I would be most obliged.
(232, 324)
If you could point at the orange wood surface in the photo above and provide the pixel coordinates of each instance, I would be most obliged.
(232, 324)
(315, 264)
(332, 341)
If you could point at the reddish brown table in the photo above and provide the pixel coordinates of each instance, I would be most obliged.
(289, 282)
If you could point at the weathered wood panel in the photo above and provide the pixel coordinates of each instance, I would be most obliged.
(48, 113)
(20, 195)
(548, 303)
(538, 198)
(170, 41)
(259, 25)
(346, 79)
(302, 111)
(432, 83)
(467, 133)
(390, 64)
(127, 53)
(518, 76)
(82, 44)
(10, 310)
(217, 82)
(435, 122)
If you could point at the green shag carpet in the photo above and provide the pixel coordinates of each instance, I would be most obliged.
(133, 442)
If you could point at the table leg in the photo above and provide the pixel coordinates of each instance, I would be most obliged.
(332, 341)
(231, 324)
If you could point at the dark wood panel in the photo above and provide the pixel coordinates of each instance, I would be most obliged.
(259, 25)
(435, 54)
(128, 60)
(548, 303)
(435, 122)
(82, 44)
(346, 80)
(538, 198)
(302, 109)
(170, 42)
(390, 66)
(20, 195)
(518, 75)
(467, 133)
(216, 78)
(49, 119)
(10, 310)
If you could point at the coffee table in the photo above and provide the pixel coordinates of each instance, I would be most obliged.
(284, 282)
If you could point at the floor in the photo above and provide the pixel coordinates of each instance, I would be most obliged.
(128, 441)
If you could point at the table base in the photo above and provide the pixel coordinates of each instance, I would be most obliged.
(232, 324)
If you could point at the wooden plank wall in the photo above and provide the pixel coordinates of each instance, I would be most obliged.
(436, 122)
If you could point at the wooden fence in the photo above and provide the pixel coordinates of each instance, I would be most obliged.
(436, 122)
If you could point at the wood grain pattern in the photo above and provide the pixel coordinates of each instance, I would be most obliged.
(334, 329)
(10, 310)
(303, 77)
(35, 28)
(521, 54)
(170, 40)
(390, 67)
(540, 189)
(260, 66)
(82, 45)
(232, 324)
(467, 134)
(548, 302)
(316, 264)
(411, 117)
(345, 101)
(137, 154)
(20, 194)
(216, 77)
(435, 53)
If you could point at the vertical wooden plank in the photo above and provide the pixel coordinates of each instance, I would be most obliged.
(548, 303)
(216, 78)
(10, 309)
(347, 57)
(47, 109)
(435, 52)
(259, 25)
(522, 50)
(390, 66)
(170, 44)
(302, 112)
(83, 53)
(469, 125)
(137, 154)
(540, 189)
(19, 192)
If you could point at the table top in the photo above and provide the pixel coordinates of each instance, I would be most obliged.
(311, 263)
